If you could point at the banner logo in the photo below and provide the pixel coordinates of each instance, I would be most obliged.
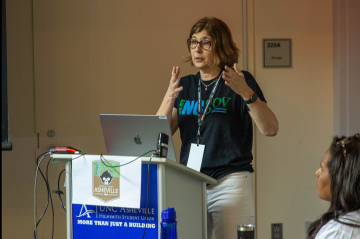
(106, 177)
(106, 180)
(84, 211)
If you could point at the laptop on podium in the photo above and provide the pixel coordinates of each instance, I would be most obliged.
(134, 135)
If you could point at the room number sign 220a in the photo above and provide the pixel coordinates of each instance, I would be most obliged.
(273, 44)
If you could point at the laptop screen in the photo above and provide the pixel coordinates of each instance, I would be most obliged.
(134, 135)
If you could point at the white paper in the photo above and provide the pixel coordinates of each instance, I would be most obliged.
(130, 181)
(196, 156)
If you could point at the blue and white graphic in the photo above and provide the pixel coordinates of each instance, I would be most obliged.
(91, 221)
(85, 211)
(190, 107)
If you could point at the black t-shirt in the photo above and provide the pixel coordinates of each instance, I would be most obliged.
(227, 128)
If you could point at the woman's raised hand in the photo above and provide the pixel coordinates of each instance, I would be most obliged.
(174, 89)
(236, 81)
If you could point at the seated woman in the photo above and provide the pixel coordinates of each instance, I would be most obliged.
(339, 183)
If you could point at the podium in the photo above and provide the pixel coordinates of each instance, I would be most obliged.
(170, 185)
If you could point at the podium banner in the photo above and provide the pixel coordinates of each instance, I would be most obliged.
(105, 182)
(119, 222)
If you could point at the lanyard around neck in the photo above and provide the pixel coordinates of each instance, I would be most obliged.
(201, 115)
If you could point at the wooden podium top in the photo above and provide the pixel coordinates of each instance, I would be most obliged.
(167, 162)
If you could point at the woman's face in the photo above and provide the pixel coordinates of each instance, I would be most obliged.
(324, 181)
(202, 59)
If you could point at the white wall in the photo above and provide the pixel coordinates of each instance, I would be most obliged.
(346, 50)
(301, 97)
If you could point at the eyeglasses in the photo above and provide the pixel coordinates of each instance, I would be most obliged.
(346, 141)
(204, 44)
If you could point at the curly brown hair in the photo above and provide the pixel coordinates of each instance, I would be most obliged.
(222, 44)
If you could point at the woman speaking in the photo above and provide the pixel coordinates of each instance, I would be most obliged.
(214, 110)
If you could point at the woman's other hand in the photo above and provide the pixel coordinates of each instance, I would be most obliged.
(174, 89)
(262, 115)
(236, 81)
(167, 106)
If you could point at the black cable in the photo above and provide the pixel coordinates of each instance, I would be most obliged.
(103, 161)
(49, 195)
(47, 187)
(36, 174)
(59, 192)
(147, 195)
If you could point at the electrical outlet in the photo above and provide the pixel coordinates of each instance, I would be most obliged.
(276, 231)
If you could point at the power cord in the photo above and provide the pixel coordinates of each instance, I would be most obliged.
(62, 150)
(48, 192)
(49, 196)
(103, 161)
(59, 192)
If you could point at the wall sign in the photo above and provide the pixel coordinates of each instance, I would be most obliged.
(277, 52)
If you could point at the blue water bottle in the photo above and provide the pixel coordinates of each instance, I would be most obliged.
(168, 224)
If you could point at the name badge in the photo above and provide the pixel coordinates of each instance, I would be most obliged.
(196, 156)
